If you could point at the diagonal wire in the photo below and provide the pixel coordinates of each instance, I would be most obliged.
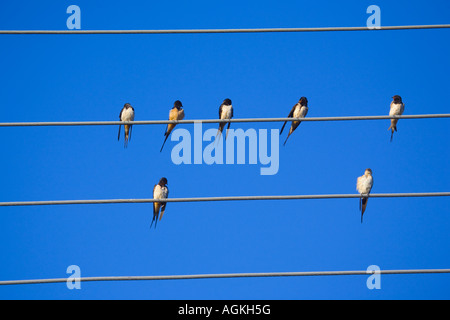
(152, 122)
(232, 198)
(227, 275)
(209, 31)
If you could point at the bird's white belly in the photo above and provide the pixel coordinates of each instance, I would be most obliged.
(160, 192)
(365, 185)
(127, 115)
(396, 110)
(299, 112)
(226, 112)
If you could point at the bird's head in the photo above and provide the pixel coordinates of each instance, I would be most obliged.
(127, 105)
(368, 172)
(177, 104)
(162, 182)
(303, 101)
(397, 99)
(227, 102)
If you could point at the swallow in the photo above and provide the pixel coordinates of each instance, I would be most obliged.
(225, 112)
(126, 114)
(397, 108)
(364, 184)
(160, 191)
(176, 113)
(298, 111)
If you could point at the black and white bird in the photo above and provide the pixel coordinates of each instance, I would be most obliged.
(160, 191)
(225, 112)
(298, 111)
(397, 108)
(126, 114)
(364, 185)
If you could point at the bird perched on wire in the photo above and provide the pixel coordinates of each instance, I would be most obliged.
(176, 113)
(160, 191)
(397, 108)
(126, 114)
(364, 185)
(225, 112)
(298, 111)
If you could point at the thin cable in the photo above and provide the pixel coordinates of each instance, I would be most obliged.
(250, 30)
(152, 122)
(227, 275)
(233, 198)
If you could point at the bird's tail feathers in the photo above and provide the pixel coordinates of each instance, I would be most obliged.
(155, 213)
(363, 205)
(282, 128)
(167, 135)
(127, 135)
(228, 128)
(286, 139)
(163, 209)
(392, 128)
(219, 131)
(154, 220)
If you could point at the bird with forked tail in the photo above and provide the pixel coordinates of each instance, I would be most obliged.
(160, 191)
(397, 108)
(364, 185)
(126, 114)
(225, 112)
(176, 113)
(298, 111)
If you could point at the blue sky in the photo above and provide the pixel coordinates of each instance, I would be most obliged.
(90, 77)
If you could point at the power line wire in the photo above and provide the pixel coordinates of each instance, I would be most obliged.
(228, 275)
(209, 31)
(231, 198)
(249, 120)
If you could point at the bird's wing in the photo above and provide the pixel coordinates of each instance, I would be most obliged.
(291, 114)
(155, 209)
(173, 114)
(120, 118)
(180, 114)
(305, 112)
(163, 204)
(358, 184)
(220, 111)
